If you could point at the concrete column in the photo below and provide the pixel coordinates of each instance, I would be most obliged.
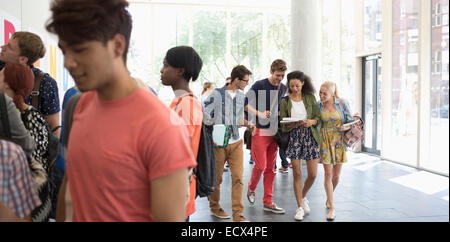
(306, 38)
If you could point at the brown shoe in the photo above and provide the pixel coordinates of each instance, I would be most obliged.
(240, 218)
(220, 214)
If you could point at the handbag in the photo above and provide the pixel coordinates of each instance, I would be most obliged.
(356, 132)
(248, 139)
(282, 138)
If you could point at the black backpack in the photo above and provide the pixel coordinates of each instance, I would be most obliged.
(205, 172)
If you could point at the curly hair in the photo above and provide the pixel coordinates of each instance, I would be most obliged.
(307, 88)
(79, 21)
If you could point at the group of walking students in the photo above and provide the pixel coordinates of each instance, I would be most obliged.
(131, 158)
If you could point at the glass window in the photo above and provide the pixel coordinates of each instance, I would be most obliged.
(246, 42)
(372, 24)
(140, 51)
(347, 82)
(151, 39)
(439, 126)
(330, 47)
(210, 27)
(338, 47)
(278, 39)
(405, 60)
(224, 33)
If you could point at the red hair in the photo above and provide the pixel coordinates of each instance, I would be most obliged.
(20, 79)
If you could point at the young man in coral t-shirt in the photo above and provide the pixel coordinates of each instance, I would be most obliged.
(128, 158)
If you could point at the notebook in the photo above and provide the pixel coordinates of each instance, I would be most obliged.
(351, 123)
(220, 134)
(290, 120)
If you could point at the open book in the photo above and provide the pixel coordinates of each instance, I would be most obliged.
(351, 123)
(290, 120)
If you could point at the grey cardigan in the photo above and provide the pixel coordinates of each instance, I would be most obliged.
(19, 134)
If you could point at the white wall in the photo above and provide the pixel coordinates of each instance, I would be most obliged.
(31, 15)
(306, 48)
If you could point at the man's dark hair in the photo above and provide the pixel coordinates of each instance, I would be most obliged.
(79, 21)
(239, 72)
(187, 58)
(307, 88)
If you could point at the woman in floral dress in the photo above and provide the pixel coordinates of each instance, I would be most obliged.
(334, 112)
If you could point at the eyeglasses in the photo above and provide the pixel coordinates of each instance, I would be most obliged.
(246, 80)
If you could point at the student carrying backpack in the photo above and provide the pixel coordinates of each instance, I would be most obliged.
(54, 146)
(205, 172)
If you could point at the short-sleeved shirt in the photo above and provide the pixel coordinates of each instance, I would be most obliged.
(48, 98)
(191, 111)
(260, 96)
(116, 149)
(17, 191)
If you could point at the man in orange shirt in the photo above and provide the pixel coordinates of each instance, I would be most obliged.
(181, 65)
(128, 157)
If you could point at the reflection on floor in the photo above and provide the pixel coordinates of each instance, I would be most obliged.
(369, 190)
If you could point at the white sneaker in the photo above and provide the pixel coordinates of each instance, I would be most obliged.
(299, 214)
(331, 215)
(305, 205)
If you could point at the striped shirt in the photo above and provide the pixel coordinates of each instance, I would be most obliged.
(17, 189)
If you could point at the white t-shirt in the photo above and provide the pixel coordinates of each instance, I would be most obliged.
(298, 110)
(233, 96)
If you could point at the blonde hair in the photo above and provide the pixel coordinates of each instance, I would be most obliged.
(332, 87)
(206, 86)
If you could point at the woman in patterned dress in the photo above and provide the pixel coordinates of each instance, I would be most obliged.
(334, 112)
(17, 82)
(304, 139)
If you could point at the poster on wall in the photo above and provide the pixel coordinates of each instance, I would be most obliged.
(8, 25)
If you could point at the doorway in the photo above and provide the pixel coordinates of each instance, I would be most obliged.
(372, 103)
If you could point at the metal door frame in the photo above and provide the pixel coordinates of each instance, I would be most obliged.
(375, 64)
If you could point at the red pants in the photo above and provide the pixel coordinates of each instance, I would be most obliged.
(264, 153)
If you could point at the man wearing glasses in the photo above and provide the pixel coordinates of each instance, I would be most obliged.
(226, 106)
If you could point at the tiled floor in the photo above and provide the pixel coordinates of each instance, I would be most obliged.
(370, 190)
